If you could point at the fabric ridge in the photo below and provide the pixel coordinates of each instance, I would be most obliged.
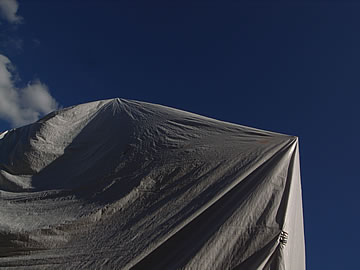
(123, 184)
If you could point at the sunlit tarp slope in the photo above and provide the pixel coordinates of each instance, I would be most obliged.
(119, 184)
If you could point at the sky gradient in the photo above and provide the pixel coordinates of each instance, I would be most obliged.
(285, 66)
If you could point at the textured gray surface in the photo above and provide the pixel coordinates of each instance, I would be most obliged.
(125, 184)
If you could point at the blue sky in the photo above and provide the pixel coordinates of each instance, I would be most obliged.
(286, 66)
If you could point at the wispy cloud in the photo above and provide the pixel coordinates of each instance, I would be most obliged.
(21, 106)
(10, 43)
(8, 10)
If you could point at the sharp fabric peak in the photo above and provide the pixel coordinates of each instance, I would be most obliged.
(21, 106)
(123, 184)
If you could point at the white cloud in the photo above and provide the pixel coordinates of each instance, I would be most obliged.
(21, 106)
(8, 9)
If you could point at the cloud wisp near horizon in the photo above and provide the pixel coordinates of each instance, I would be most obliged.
(20, 105)
(8, 10)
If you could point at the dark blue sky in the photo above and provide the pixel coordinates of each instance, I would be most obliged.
(286, 66)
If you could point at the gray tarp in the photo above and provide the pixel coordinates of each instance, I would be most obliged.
(120, 184)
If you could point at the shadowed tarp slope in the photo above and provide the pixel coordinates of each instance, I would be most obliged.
(131, 185)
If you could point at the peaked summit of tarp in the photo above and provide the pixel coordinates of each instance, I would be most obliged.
(120, 184)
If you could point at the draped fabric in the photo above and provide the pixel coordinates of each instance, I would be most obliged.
(120, 184)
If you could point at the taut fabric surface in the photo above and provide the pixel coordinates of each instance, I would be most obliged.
(120, 184)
